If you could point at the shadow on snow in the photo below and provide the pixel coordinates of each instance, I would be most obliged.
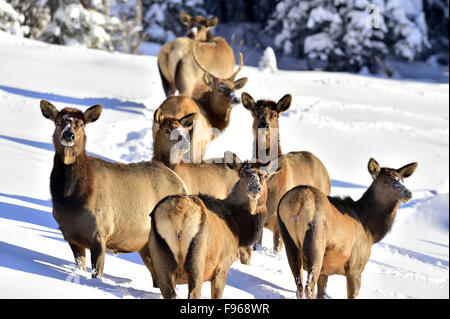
(115, 104)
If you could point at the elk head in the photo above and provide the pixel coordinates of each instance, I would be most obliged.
(223, 90)
(253, 177)
(198, 27)
(69, 138)
(388, 182)
(173, 137)
(265, 115)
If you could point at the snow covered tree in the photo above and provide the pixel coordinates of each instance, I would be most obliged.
(408, 28)
(76, 24)
(36, 15)
(11, 21)
(350, 34)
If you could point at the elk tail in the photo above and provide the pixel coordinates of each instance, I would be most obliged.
(178, 220)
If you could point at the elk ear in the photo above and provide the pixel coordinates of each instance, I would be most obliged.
(49, 110)
(188, 121)
(239, 84)
(232, 160)
(284, 103)
(374, 168)
(211, 23)
(407, 170)
(248, 101)
(274, 166)
(158, 118)
(185, 18)
(208, 79)
(92, 114)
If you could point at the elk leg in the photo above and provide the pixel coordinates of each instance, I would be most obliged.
(166, 283)
(353, 284)
(314, 251)
(218, 284)
(79, 253)
(258, 244)
(98, 251)
(277, 241)
(168, 88)
(245, 255)
(295, 259)
(184, 84)
(321, 285)
(145, 256)
(195, 270)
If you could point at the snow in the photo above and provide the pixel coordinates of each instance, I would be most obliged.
(268, 62)
(342, 118)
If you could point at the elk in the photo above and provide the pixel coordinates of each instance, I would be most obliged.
(194, 239)
(99, 205)
(329, 235)
(298, 168)
(175, 118)
(212, 111)
(219, 99)
(213, 177)
(178, 70)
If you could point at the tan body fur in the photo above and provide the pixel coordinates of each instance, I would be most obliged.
(196, 238)
(298, 168)
(327, 235)
(99, 205)
(178, 67)
(173, 110)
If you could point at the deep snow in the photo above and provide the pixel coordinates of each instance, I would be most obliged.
(344, 119)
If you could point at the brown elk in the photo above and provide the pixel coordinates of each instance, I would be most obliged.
(298, 168)
(177, 68)
(329, 235)
(180, 117)
(196, 238)
(215, 178)
(99, 205)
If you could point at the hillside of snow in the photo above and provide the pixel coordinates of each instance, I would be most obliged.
(343, 119)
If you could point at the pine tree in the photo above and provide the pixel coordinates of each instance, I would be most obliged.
(83, 23)
(350, 34)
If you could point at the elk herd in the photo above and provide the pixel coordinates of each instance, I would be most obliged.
(191, 218)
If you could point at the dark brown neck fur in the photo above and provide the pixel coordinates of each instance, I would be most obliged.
(377, 218)
(217, 120)
(71, 185)
(244, 219)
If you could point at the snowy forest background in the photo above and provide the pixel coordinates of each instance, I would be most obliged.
(334, 35)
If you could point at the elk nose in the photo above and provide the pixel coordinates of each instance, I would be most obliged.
(68, 136)
(235, 100)
(263, 125)
(407, 194)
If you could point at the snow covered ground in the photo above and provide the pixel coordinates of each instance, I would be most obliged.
(344, 119)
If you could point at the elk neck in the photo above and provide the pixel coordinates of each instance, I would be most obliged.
(71, 185)
(376, 215)
(219, 116)
(269, 155)
(248, 215)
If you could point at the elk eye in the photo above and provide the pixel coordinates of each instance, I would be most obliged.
(167, 131)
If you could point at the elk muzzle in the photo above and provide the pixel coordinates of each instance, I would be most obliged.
(68, 136)
(254, 188)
